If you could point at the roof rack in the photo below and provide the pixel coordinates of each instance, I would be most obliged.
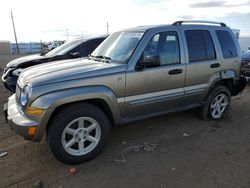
(199, 21)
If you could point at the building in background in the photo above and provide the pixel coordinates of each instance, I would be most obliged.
(27, 48)
(5, 47)
(244, 43)
(35, 47)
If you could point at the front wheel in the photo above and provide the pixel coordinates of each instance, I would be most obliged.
(78, 133)
(217, 104)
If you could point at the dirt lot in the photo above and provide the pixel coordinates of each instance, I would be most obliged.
(189, 153)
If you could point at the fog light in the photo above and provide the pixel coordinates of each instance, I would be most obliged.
(31, 131)
(34, 111)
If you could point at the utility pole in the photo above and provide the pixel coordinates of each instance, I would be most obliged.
(107, 28)
(14, 31)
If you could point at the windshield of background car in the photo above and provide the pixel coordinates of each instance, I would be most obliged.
(61, 50)
(119, 46)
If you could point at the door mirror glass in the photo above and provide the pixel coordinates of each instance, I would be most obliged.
(149, 61)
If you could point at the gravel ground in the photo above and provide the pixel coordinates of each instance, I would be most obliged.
(174, 150)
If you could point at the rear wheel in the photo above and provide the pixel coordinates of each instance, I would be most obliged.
(78, 133)
(217, 104)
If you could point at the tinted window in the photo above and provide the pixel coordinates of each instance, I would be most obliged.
(227, 45)
(166, 46)
(76, 49)
(200, 45)
(89, 47)
(210, 51)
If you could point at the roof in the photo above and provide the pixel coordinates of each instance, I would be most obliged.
(90, 38)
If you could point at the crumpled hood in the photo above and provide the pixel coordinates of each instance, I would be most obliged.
(66, 70)
(20, 62)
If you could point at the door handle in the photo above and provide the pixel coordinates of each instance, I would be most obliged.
(214, 65)
(175, 71)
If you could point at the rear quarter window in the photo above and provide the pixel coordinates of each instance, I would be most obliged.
(227, 44)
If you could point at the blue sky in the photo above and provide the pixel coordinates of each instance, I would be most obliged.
(50, 20)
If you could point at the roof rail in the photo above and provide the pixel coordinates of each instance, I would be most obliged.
(199, 21)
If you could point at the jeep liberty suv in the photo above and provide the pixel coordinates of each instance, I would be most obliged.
(134, 74)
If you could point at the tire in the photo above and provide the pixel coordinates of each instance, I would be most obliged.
(217, 104)
(78, 133)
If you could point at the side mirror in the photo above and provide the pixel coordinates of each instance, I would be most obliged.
(149, 62)
(74, 54)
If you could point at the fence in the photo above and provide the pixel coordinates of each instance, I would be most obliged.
(27, 48)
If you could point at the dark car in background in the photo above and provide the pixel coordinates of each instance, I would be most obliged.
(73, 49)
(245, 59)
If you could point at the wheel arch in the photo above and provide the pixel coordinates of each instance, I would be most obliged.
(101, 97)
(225, 78)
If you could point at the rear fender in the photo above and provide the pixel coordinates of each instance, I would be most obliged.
(238, 83)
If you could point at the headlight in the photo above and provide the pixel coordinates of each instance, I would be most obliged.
(17, 72)
(25, 94)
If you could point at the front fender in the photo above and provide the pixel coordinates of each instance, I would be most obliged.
(51, 101)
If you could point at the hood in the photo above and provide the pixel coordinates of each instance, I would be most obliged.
(67, 70)
(26, 61)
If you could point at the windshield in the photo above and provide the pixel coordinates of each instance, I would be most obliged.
(61, 50)
(118, 46)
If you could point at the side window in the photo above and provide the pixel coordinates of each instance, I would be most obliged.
(210, 50)
(76, 49)
(88, 48)
(166, 46)
(227, 44)
(200, 45)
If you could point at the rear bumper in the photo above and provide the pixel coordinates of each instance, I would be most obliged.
(17, 121)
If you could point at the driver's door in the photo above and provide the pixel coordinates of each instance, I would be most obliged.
(154, 90)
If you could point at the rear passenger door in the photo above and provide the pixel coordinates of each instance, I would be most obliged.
(202, 62)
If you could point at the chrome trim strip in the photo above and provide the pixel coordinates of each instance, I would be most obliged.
(163, 95)
(153, 95)
(156, 99)
(195, 90)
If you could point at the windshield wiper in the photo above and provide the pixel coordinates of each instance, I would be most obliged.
(100, 57)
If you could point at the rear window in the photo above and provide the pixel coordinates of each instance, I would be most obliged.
(200, 45)
(227, 44)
